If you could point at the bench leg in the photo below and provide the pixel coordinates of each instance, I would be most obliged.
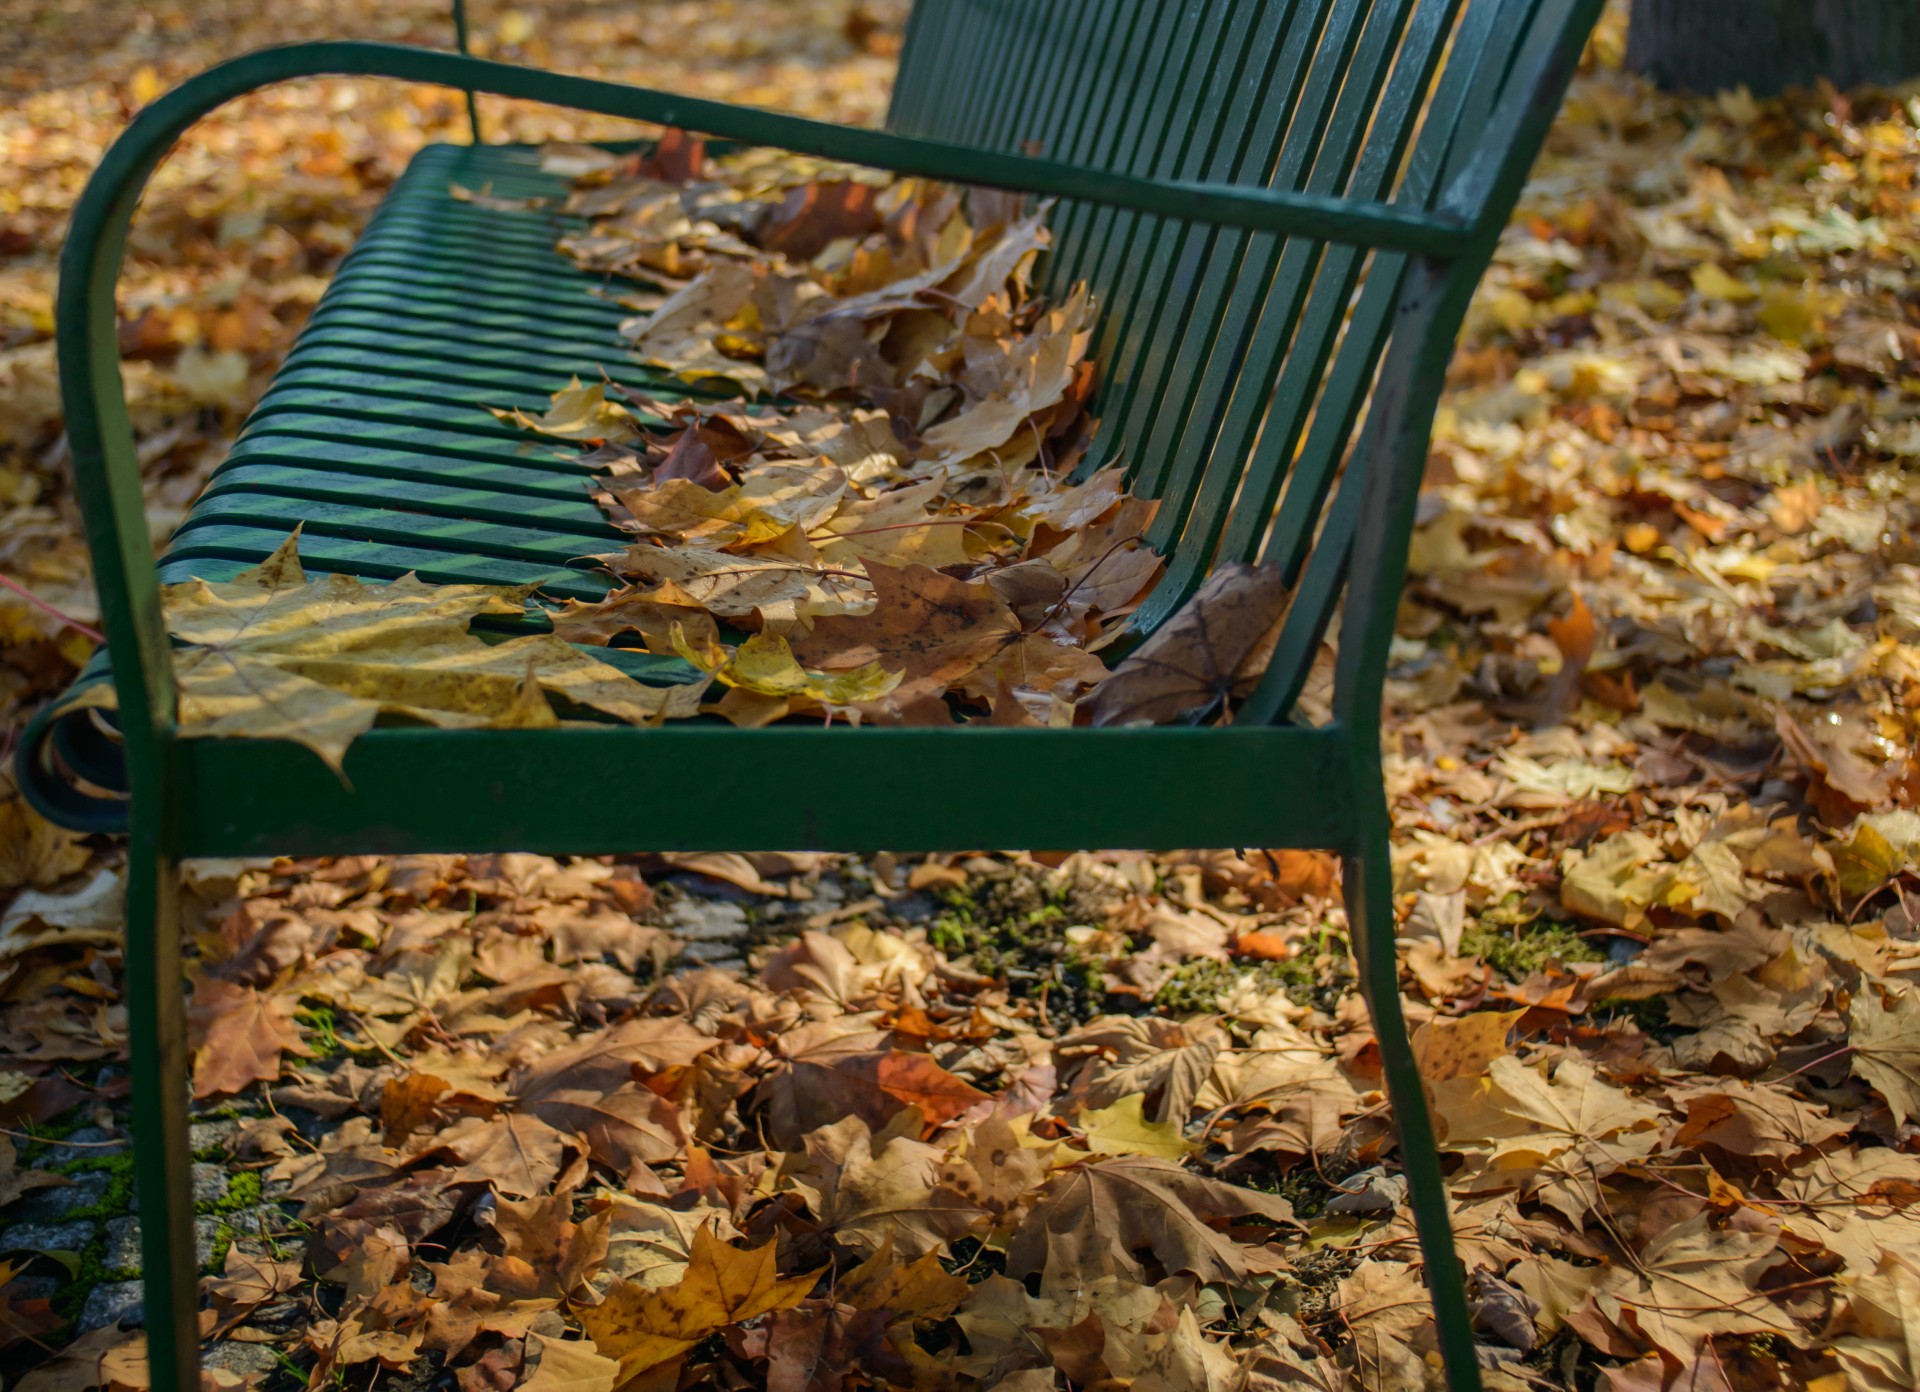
(1367, 882)
(163, 1163)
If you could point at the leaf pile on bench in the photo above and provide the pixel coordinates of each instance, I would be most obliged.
(902, 535)
(902, 538)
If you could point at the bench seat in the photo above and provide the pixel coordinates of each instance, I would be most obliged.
(376, 436)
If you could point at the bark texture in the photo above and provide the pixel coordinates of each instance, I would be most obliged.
(1769, 45)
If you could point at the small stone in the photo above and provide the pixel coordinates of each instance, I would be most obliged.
(205, 1135)
(246, 1359)
(692, 886)
(48, 1237)
(252, 1227)
(721, 956)
(209, 1185)
(87, 1143)
(279, 1317)
(912, 907)
(1370, 1191)
(110, 1304)
(123, 1242)
(49, 1205)
(707, 920)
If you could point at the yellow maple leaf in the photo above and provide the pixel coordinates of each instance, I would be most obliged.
(643, 1326)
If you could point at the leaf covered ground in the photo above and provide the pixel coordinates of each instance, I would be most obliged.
(1099, 1121)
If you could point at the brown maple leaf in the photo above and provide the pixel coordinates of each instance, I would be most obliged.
(1090, 1221)
(928, 625)
(240, 1034)
(1205, 653)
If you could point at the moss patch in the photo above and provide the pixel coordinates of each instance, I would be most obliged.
(1012, 925)
(320, 1026)
(75, 1289)
(1517, 941)
(1317, 977)
(243, 1192)
(118, 1196)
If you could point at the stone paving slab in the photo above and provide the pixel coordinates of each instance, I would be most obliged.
(109, 1303)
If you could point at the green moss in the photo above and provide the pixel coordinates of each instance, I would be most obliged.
(117, 1198)
(1517, 942)
(222, 1241)
(1303, 1187)
(321, 1028)
(46, 1133)
(90, 1272)
(243, 1192)
(1649, 1015)
(1196, 987)
(1013, 925)
(1318, 976)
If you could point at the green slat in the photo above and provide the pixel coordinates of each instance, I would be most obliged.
(441, 354)
(506, 327)
(359, 521)
(419, 452)
(1154, 120)
(574, 518)
(1343, 386)
(374, 399)
(1075, 30)
(1094, 118)
(571, 791)
(250, 545)
(1312, 285)
(1207, 361)
(1145, 258)
(506, 383)
(588, 310)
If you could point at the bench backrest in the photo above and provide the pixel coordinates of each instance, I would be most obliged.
(1235, 366)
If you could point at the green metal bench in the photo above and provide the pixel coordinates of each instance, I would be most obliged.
(1282, 206)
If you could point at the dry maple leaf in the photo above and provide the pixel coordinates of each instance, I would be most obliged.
(931, 627)
(1090, 1221)
(1754, 1124)
(241, 1034)
(831, 1073)
(885, 1192)
(110, 1358)
(1384, 1305)
(569, 1365)
(272, 655)
(1690, 1283)
(1123, 1129)
(919, 1289)
(475, 1293)
(15, 1182)
(768, 502)
(1886, 1047)
(644, 1326)
(1198, 659)
(765, 588)
(517, 1153)
(247, 1282)
(541, 1233)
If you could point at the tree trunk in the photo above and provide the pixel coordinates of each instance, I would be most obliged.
(1769, 45)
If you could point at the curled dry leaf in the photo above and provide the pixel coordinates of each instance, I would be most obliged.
(1201, 657)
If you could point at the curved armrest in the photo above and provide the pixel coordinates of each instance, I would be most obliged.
(106, 474)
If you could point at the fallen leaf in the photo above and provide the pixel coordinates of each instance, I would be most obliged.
(1193, 663)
